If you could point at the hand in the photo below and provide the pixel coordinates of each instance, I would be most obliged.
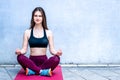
(18, 51)
(59, 52)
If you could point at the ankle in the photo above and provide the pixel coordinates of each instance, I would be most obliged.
(29, 71)
(46, 72)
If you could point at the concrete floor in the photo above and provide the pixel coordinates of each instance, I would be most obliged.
(71, 73)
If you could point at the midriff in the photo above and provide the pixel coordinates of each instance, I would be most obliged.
(37, 51)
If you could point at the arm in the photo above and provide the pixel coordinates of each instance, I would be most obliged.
(24, 45)
(51, 45)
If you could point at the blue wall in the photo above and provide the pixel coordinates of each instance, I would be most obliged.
(86, 30)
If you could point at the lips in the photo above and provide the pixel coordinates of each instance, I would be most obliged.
(37, 20)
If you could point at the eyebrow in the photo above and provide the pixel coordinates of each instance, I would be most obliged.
(37, 15)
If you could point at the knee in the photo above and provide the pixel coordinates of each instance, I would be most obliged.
(19, 57)
(56, 59)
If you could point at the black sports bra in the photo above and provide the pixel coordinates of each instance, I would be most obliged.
(38, 42)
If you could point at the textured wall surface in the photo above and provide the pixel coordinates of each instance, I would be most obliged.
(88, 31)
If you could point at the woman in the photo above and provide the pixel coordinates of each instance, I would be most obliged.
(38, 37)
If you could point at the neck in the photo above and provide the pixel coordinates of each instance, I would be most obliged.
(38, 26)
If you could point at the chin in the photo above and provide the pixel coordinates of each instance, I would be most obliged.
(38, 22)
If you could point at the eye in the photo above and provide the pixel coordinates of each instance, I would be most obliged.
(40, 15)
(35, 15)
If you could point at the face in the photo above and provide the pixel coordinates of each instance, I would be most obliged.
(38, 17)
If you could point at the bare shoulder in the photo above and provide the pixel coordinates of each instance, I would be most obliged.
(49, 32)
(27, 32)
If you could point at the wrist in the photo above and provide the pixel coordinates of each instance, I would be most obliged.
(54, 52)
(22, 51)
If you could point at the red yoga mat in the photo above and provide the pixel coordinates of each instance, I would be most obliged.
(56, 75)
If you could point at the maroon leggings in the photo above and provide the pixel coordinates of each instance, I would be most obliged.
(36, 63)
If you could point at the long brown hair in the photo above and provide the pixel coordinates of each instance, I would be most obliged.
(44, 22)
